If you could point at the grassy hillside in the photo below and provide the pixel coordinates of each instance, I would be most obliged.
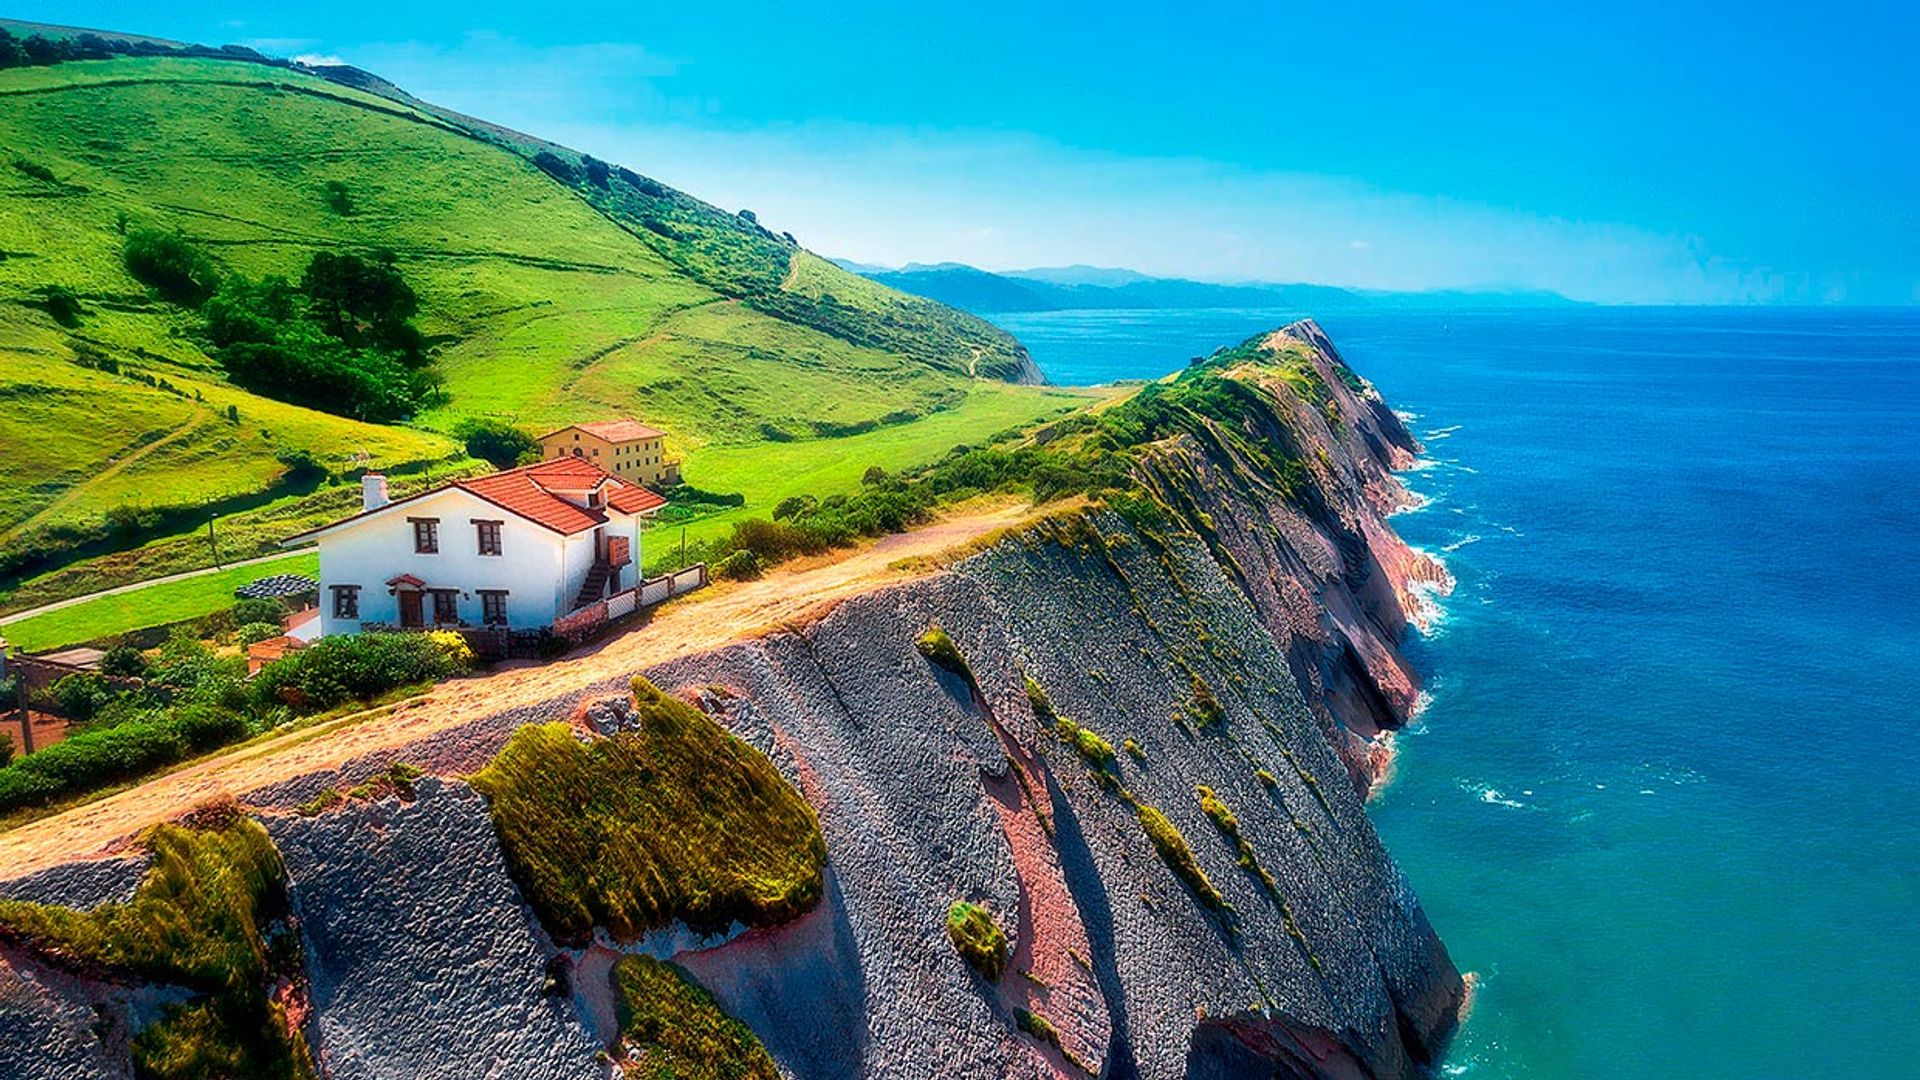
(550, 293)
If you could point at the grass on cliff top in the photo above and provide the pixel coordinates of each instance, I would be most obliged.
(678, 820)
(197, 921)
(671, 1028)
(104, 616)
(978, 939)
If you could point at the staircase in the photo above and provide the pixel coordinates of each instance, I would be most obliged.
(595, 587)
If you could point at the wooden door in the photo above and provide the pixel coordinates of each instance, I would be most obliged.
(410, 612)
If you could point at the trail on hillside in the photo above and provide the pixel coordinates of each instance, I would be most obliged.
(200, 418)
(700, 622)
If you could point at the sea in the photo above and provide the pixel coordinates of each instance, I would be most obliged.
(1663, 797)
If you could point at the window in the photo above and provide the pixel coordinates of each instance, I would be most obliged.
(446, 606)
(487, 534)
(493, 607)
(426, 536)
(346, 601)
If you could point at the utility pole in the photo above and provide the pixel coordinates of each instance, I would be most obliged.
(213, 546)
(683, 547)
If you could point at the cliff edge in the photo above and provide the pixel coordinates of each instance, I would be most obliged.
(1119, 729)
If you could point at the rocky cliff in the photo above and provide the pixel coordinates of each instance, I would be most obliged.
(1145, 754)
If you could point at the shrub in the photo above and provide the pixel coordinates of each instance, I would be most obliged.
(1134, 750)
(557, 167)
(1036, 1025)
(81, 695)
(6, 749)
(170, 265)
(496, 442)
(123, 660)
(978, 939)
(349, 667)
(302, 465)
(60, 302)
(95, 758)
(33, 169)
(670, 1026)
(339, 200)
(257, 609)
(257, 631)
(678, 819)
(737, 566)
(1205, 706)
(1094, 750)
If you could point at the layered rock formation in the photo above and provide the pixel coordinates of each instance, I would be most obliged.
(1243, 637)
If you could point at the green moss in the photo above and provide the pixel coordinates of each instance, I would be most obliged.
(1134, 751)
(1178, 856)
(978, 939)
(1042, 704)
(1037, 1026)
(672, 1029)
(1229, 826)
(937, 647)
(1267, 779)
(1205, 707)
(677, 820)
(199, 920)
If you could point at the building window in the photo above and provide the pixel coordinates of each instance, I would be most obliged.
(493, 607)
(446, 606)
(488, 535)
(346, 601)
(426, 535)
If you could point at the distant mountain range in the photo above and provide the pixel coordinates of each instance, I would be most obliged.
(1068, 288)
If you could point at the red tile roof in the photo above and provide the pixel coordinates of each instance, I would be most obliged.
(528, 492)
(619, 431)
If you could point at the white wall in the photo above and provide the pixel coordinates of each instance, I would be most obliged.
(370, 552)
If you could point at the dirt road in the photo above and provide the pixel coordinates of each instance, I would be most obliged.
(699, 622)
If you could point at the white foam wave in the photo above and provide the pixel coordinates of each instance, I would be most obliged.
(1470, 538)
(1443, 432)
(1493, 796)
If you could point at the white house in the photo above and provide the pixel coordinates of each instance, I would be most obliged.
(518, 548)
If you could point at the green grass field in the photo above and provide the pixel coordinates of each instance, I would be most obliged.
(152, 605)
(773, 371)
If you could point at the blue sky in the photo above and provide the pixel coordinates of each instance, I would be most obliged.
(1626, 151)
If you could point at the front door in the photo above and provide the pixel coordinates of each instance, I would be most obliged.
(410, 612)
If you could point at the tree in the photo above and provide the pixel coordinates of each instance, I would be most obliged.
(338, 200)
(60, 302)
(361, 301)
(171, 266)
(556, 166)
(597, 171)
(496, 442)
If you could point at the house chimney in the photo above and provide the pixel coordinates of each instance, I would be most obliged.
(373, 491)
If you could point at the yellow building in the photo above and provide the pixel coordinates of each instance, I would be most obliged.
(628, 449)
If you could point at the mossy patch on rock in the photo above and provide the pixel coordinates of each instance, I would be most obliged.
(938, 647)
(1173, 849)
(200, 921)
(978, 939)
(672, 1029)
(678, 819)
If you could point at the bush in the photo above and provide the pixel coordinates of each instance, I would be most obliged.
(252, 632)
(6, 749)
(349, 667)
(338, 199)
(125, 661)
(96, 758)
(496, 442)
(33, 169)
(557, 167)
(978, 939)
(170, 266)
(258, 609)
(60, 302)
(81, 695)
(302, 465)
(939, 648)
(737, 566)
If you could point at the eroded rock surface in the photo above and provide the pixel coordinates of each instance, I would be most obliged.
(423, 957)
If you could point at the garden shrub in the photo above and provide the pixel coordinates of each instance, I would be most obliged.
(100, 756)
(671, 1027)
(978, 939)
(349, 667)
(256, 632)
(258, 610)
(81, 695)
(678, 819)
(737, 566)
(123, 660)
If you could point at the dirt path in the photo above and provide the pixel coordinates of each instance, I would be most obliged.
(700, 622)
(114, 468)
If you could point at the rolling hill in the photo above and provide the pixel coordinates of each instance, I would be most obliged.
(552, 288)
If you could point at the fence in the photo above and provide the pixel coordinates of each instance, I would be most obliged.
(580, 625)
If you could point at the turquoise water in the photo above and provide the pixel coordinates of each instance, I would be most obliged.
(1663, 799)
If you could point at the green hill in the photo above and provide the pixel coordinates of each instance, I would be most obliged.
(552, 289)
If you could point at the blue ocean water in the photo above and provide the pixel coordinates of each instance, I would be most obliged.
(1665, 797)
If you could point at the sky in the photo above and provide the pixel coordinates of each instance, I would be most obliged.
(1629, 151)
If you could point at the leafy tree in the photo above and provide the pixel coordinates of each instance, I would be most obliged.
(556, 166)
(123, 660)
(338, 200)
(258, 609)
(496, 442)
(172, 267)
(60, 302)
(597, 171)
(362, 301)
(302, 465)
